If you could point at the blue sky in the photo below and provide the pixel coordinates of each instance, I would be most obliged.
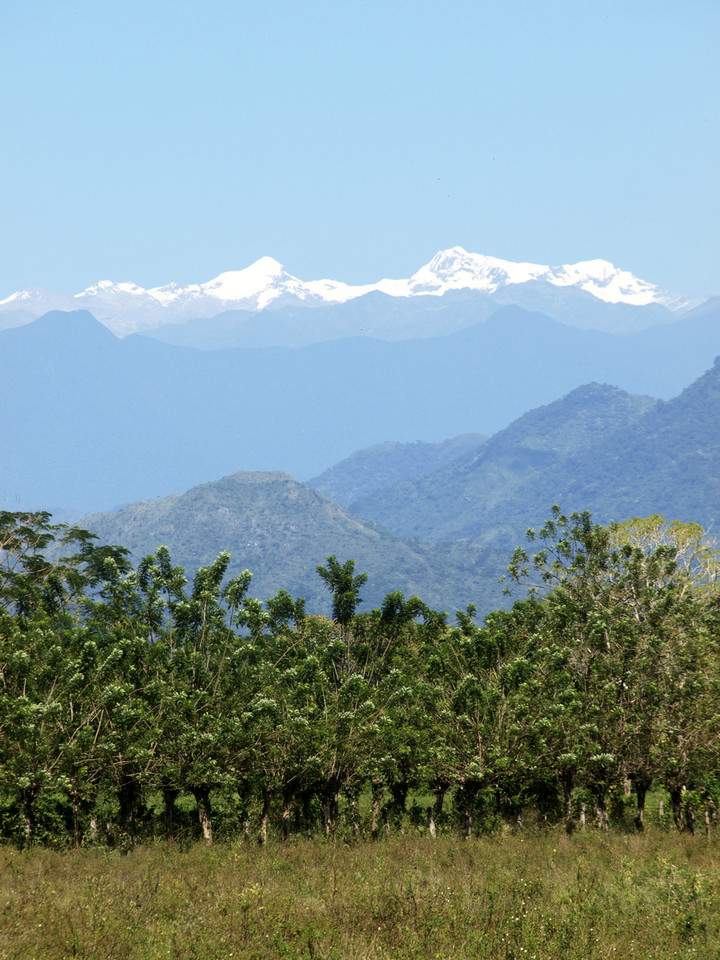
(158, 141)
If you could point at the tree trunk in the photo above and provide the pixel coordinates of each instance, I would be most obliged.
(468, 797)
(676, 794)
(264, 817)
(307, 813)
(330, 802)
(377, 792)
(690, 817)
(128, 796)
(169, 796)
(286, 817)
(28, 795)
(440, 791)
(568, 781)
(355, 817)
(202, 796)
(399, 793)
(75, 800)
(642, 785)
(327, 815)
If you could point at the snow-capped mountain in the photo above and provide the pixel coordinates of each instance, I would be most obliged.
(127, 308)
(457, 269)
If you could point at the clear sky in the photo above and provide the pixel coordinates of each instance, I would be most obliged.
(172, 140)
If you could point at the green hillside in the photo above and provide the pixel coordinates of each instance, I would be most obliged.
(597, 448)
(281, 530)
(466, 498)
(372, 468)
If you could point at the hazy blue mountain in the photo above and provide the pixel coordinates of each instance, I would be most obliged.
(378, 466)
(92, 421)
(578, 308)
(468, 497)
(295, 325)
(280, 530)
(666, 460)
(395, 318)
(598, 448)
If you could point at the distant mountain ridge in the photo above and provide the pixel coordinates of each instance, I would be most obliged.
(468, 497)
(648, 457)
(373, 468)
(129, 308)
(448, 535)
(93, 421)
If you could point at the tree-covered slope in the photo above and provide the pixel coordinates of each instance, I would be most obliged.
(667, 462)
(281, 530)
(627, 463)
(368, 470)
(450, 503)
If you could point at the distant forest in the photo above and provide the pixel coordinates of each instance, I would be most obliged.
(136, 706)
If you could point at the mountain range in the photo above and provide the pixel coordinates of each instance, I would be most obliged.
(129, 308)
(93, 421)
(281, 530)
(597, 448)
(446, 526)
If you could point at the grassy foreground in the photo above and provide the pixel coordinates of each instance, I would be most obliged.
(541, 896)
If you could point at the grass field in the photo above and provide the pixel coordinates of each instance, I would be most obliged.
(540, 895)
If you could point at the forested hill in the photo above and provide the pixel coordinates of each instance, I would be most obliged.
(383, 464)
(665, 460)
(616, 454)
(281, 530)
(470, 496)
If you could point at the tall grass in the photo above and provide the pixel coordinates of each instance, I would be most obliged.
(539, 895)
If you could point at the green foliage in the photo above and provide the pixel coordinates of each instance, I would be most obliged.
(344, 586)
(130, 698)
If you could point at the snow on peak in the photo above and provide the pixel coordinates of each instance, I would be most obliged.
(127, 307)
(107, 288)
(607, 282)
(262, 281)
(456, 269)
(36, 300)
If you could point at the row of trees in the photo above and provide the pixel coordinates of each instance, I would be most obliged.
(127, 695)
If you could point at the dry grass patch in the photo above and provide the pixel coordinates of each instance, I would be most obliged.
(540, 896)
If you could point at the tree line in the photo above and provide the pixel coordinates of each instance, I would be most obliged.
(134, 704)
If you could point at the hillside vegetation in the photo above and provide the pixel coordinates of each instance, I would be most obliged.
(281, 530)
(384, 464)
(470, 496)
(619, 455)
(444, 532)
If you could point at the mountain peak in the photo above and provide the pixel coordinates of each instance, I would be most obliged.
(129, 308)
